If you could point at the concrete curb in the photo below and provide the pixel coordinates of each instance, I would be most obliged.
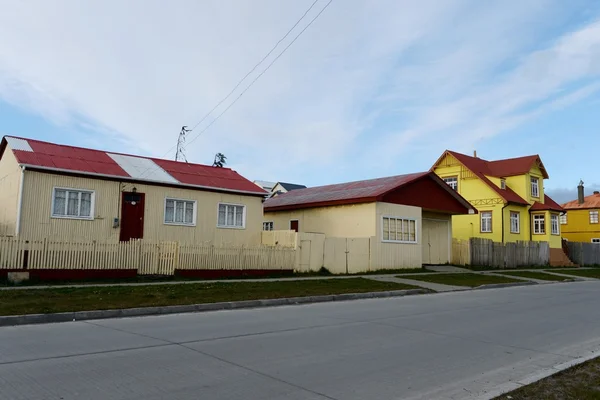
(30, 319)
(505, 285)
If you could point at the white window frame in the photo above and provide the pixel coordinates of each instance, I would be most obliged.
(266, 223)
(491, 218)
(92, 205)
(416, 241)
(596, 240)
(563, 219)
(554, 220)
(535, 185)
(502, 184)
(533, 219)
(595, 219)
(518, 221)
(194, 213)
(452, 181)
(230, 226)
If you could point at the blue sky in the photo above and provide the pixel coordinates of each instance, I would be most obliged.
(372, 88)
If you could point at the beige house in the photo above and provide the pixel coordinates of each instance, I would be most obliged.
(406, 218)
(70, 193)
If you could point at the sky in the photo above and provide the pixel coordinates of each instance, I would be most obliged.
(372, 88)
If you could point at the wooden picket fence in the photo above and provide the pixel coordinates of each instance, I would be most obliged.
(486, 253)
(146, 257)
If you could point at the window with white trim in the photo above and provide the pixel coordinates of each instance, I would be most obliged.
(180, 212)
(452, 181)
(231, 216)
(554, 225)
(563, 219)
(515, 222)
(593, 217)
(539, 224)
(596, 240)
(535, 187)
(268, 226)
(486, 221)
(502, 184)
(401, 230)
(73, 203)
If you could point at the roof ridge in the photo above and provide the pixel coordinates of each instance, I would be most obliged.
(108, 152)
(417, 175)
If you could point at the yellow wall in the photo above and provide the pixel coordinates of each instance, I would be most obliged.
(554, 240)
(524, 224)
(578, 227)
(535, 172)
(36, 221)
(10, 183)
(354, 220)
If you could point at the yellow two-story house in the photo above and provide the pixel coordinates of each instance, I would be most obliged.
(581, 221)
(509, 195)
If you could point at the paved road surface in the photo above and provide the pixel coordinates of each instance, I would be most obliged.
(451, 345)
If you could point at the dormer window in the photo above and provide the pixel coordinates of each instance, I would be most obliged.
(502, 184)
(535, 187)
(452, 181)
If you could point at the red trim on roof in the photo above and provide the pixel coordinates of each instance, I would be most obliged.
(548, 204)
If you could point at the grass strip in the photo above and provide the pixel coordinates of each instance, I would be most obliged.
(466, 279)
(586, 273)
(535, 275)
(43, 301)
(581, 382)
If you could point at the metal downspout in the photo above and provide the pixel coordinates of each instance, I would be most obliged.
(20, 202)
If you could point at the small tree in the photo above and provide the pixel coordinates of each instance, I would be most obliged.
(220, 160)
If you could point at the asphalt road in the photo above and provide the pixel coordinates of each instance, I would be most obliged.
(452, 345)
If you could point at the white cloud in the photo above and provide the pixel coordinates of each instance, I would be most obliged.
(141, 69)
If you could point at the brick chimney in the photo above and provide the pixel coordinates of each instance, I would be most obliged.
(580, 193)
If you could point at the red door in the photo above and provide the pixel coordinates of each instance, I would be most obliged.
(132, 216)
(294, 225)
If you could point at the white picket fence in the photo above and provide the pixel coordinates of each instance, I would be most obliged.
(147, 258)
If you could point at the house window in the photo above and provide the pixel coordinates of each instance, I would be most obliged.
(563, 219)
(486, 221)
(73, 203)
(554, 225)
(180, 212)
(593, 217)
(452, 181)
(535, 187)
(231, 216)
(268, 226)
(515, 223)
(596, 240)
(400, 230)
(502, 184)
(539, 224)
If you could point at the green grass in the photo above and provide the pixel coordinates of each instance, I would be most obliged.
(467, 279)
(494, 269)
(581, 382)
(586, 273)
(534, 275)
(42, 301)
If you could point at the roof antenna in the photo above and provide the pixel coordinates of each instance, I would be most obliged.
(180, 153)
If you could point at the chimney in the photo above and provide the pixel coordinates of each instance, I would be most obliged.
(475, 153)
(580, 193)
(596, 192)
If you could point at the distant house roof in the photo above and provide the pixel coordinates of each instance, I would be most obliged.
(38, 155)
(591, 201)
(290, 186)
(498, 169)
(353, 192)
(549, 204)
(265, 184)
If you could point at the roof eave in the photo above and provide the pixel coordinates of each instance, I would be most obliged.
(131, 179)
(330, 203)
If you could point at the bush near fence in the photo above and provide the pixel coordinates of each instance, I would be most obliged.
(487, 253)
(138, 257)
(584, 254)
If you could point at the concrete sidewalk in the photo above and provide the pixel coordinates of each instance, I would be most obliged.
(437, 287)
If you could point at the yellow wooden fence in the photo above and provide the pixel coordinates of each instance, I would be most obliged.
(461, 252)
(146, 257)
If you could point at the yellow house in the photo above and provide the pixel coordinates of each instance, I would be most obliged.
(509, 195)
(69, 193)
(581, 223)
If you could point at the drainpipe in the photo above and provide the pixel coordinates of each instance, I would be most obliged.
(502, 216)
(20, 202)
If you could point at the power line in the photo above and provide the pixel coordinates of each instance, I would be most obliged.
(261, 74)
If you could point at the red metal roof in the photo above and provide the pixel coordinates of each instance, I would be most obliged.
(591, 201)
(351, 193)
(69, 159)
(549, 204)
(481, 168)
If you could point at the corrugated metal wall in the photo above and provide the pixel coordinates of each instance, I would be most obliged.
(37, 222)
